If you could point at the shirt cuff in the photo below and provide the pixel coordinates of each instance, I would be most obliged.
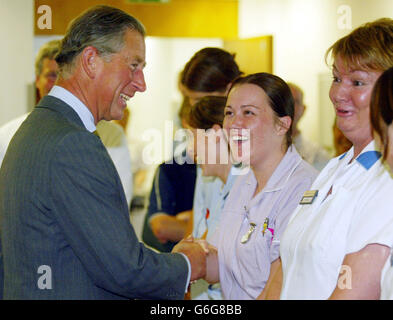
(189, 271)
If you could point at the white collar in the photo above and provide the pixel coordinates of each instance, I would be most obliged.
(78, 106)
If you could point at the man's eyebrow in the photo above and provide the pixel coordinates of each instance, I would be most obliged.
(141, 61)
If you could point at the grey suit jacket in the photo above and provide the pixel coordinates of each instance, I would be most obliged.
(64, 221)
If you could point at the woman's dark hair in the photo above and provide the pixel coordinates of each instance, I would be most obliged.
(278, 92)
(381, 107)
(184, 109)
(207, 112)
(210, 70)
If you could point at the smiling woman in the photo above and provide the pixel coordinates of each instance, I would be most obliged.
(350, 93)
(262, 116)
(244, 250)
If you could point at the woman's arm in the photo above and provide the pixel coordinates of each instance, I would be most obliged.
(360, 274)
(212, 269)
(168, 228)
(188, 218)
(273, 285)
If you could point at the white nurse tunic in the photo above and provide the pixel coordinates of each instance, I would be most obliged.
(358, 212)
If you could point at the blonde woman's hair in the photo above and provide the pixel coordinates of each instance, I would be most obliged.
(369, 46)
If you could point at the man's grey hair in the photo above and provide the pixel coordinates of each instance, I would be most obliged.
(102, 27)
(49, 51)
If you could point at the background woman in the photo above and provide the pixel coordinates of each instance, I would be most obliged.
(205, 122)
(210, 147)
(258, 117)
(381, 119)
(208, 73)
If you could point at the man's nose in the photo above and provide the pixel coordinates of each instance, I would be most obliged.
(139, 81)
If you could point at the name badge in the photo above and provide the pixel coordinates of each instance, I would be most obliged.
(309, 196)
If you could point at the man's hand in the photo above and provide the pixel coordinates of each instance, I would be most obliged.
(195, 254)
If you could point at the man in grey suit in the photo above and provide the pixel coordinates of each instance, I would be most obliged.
(65, 230)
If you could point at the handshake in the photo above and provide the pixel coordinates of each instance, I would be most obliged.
(203, 258)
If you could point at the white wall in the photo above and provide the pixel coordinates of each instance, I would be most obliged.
(302, 32)
(16, 58)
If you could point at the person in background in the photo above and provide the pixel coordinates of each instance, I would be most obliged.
(45, 76)
(337, 242)
(62, 207)
(114, 139)
(111, 134)
(311, 152)
(245, 248)
(381, 106)
(125, 120)
(209, 72)
(169, 212)
(209, 146)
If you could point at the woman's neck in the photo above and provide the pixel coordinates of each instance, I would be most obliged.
(223, 171)
(359, 146)
(265, 168)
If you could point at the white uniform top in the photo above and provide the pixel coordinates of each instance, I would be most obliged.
(319, 235)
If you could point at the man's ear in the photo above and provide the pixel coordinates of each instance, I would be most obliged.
(284, 123)
(304, 109)
(37, 78)
(90, 61)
